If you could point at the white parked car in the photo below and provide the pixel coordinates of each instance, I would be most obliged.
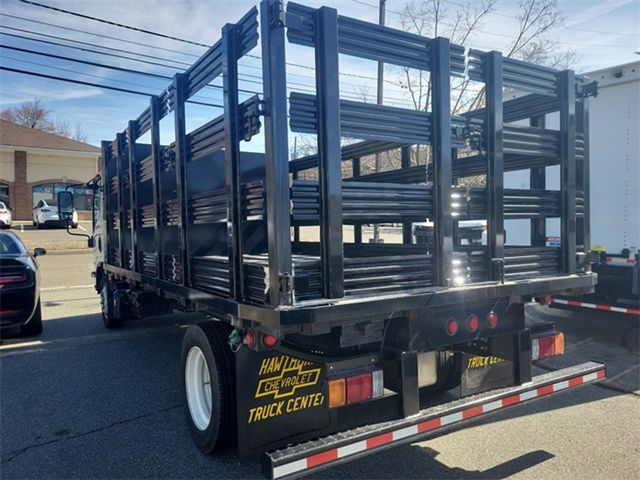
(45, 215)
(5, 216)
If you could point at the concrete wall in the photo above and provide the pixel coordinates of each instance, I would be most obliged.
(7, 167)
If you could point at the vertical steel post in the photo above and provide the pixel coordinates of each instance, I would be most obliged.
(232, 160)
(495, 167)
(441, 145)
(120, 140)
(132, 134)
(567, 89)
(155, 110)
(329, 157)
(405, 162)
(357, 228)
(538, 181)
(582, 173)
(106, 202)
(179, 88)
(276, 150)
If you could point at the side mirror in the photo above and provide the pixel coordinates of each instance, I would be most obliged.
(65, 206)
(39, 251)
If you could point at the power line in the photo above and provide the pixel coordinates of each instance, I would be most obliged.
(178, 39)
(109, 37)
(109, 22)
(82, 73)
(111, 67)
(97, 85)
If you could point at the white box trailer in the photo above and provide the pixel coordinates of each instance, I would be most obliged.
(615, 167)
(614, 182)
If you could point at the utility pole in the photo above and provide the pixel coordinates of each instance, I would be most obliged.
(381, 21)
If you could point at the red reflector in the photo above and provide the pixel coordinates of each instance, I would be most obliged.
(8, 312)
(473, 323)
(452, 326)
(492, 319)
(269, 341)
(546, 346)
(378, 440)
(249, 339)
(322, 457)
(13, 278)
(359, 388)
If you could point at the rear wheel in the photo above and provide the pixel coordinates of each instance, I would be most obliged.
(208, 386)
(113, 308)
(34, 326)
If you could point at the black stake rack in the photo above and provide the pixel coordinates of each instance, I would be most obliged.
(204, 220)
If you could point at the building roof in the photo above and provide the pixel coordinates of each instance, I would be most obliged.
(14, 135)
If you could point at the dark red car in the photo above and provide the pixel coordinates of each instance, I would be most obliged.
(19, 286)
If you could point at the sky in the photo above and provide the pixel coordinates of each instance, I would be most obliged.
(603, 33)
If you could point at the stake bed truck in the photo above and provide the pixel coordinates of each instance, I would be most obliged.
(316, 352)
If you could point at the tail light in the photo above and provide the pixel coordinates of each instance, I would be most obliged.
(45, 210)
(337, 393)
(356, 388)
(359, 388)
(2, 210)
(249, 339)
(269, 341)
(492, 319)
(13, 278)
(452, 326)
(548, 346)
(473, 323)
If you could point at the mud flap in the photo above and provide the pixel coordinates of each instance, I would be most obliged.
(279, 398)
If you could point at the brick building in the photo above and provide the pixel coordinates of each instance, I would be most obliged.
(35, 165)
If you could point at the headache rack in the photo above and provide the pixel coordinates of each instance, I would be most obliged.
(203, 220)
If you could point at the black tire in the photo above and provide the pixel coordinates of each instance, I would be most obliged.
(74, 225)
(109, 318)
(220, 433)
(34, 326)
(38, 225)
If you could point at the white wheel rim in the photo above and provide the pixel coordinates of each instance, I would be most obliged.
(198, 387)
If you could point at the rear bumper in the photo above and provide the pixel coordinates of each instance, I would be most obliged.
(303, 459)
(17, 306)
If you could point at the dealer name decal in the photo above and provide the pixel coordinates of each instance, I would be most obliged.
(281, 377)
(480, 362)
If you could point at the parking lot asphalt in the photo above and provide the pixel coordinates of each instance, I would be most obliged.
(83, 402)
(52, 238)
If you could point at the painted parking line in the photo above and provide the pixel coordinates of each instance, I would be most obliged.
(11, 346)
(82, 228)
(70, 287)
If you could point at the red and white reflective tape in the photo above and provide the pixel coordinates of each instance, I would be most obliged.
(387, 438)
(596, 306)
(621, 260)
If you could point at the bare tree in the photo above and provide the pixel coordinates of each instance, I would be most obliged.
(30, 114)
(33, 114)
(79, 133)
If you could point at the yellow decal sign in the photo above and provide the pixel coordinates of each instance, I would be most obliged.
(481, 362)
(285, 376)
(281, 377)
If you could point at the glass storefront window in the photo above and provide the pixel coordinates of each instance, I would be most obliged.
(82, 196)
(4, 194)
